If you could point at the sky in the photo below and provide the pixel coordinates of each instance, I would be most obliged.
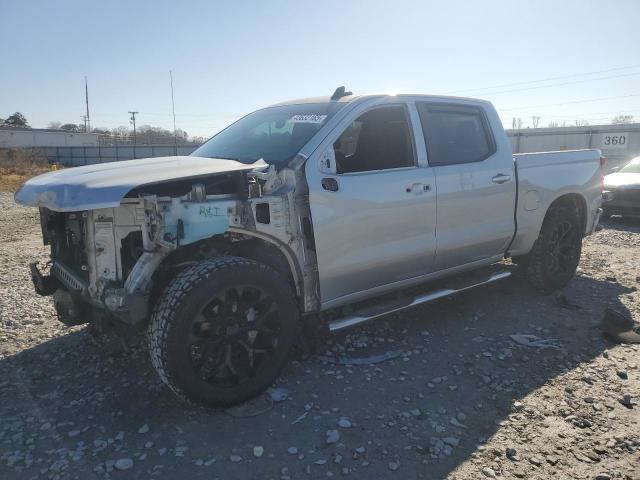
(560, 60)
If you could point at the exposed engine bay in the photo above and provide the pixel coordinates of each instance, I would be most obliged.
(118, 259)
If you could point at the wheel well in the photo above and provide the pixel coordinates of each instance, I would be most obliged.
(266, 253)
(576, 203)
(251, 248)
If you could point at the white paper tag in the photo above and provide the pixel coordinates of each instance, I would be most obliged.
(104, 229)
(308, 118)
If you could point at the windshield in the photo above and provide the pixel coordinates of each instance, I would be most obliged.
(275, 134)
(632, 167)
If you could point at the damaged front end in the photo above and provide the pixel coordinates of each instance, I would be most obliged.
(120, 232)
(115, 261)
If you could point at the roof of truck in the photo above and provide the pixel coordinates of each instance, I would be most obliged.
(351, 98)
(327, 99)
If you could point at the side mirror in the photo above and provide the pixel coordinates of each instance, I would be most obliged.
(327, 161)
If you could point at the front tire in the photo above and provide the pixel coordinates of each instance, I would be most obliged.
(555, 255)
(223, 330)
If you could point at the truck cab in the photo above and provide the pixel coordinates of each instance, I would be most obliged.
(408, 186)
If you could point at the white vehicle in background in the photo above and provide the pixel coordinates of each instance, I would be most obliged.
(299, 209)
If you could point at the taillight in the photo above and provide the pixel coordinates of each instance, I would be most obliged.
(603, 163)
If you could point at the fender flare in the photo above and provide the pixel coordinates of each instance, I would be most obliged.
(296, 271)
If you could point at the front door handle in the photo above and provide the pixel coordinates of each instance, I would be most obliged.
(418, 188)
(330, 184)
(501, 178)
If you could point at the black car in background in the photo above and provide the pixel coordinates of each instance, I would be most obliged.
(622, 191)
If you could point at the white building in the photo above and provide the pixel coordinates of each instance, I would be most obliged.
(35, 137)
(619, 143)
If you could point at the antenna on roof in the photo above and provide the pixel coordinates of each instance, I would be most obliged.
(339, 93)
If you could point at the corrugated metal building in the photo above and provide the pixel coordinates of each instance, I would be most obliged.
(75, 156)
(35, 137)
(619, 143)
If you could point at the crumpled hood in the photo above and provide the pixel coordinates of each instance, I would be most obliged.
(105, 185)
(622, 180)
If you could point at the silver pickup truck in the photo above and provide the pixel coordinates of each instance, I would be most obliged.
(319, 212)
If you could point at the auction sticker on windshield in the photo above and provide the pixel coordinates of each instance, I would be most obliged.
(308, 118)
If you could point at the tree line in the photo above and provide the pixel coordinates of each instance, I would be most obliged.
(144, 134)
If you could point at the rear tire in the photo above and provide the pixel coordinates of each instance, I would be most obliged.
(555, 255)
(223, 330)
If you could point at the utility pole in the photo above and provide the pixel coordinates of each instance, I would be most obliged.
(173, 109)
(133, 122)
(86, 100)
(85, 119)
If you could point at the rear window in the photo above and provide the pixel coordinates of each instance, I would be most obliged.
(455, 134)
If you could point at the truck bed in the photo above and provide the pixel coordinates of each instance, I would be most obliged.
(546, 176)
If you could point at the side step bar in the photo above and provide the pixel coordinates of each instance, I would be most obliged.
(362, 316)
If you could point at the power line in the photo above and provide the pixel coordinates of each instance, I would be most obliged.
(563, 83)
(583, 115)
(168, 115)
(571, 102)
(562, 77)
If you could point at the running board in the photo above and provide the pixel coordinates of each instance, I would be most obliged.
(392, 307)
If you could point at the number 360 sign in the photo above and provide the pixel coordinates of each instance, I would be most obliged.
(614, 140)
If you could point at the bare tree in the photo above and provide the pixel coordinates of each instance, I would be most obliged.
(553, 125)
(535, 120)
(121, 131)
(197, 139)
(622, 119)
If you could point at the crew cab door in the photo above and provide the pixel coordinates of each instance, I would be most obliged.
(372, 203)
(475, 180)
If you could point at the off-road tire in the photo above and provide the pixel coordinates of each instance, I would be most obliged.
(184, 297)
(538, 264)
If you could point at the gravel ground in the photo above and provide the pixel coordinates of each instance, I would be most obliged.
(455, 397)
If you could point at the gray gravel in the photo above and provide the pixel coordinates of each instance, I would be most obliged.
(462, 401)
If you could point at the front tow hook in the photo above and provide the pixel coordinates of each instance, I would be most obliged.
(44, 285)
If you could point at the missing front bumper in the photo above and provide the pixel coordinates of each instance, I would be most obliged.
(130, 308)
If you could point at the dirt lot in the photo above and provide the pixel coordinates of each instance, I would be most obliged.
(461, 399)
(18, 165)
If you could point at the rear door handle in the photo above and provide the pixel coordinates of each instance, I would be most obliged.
(501, 178)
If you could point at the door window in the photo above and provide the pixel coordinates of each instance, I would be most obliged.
(455, 134)
(379, 139)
